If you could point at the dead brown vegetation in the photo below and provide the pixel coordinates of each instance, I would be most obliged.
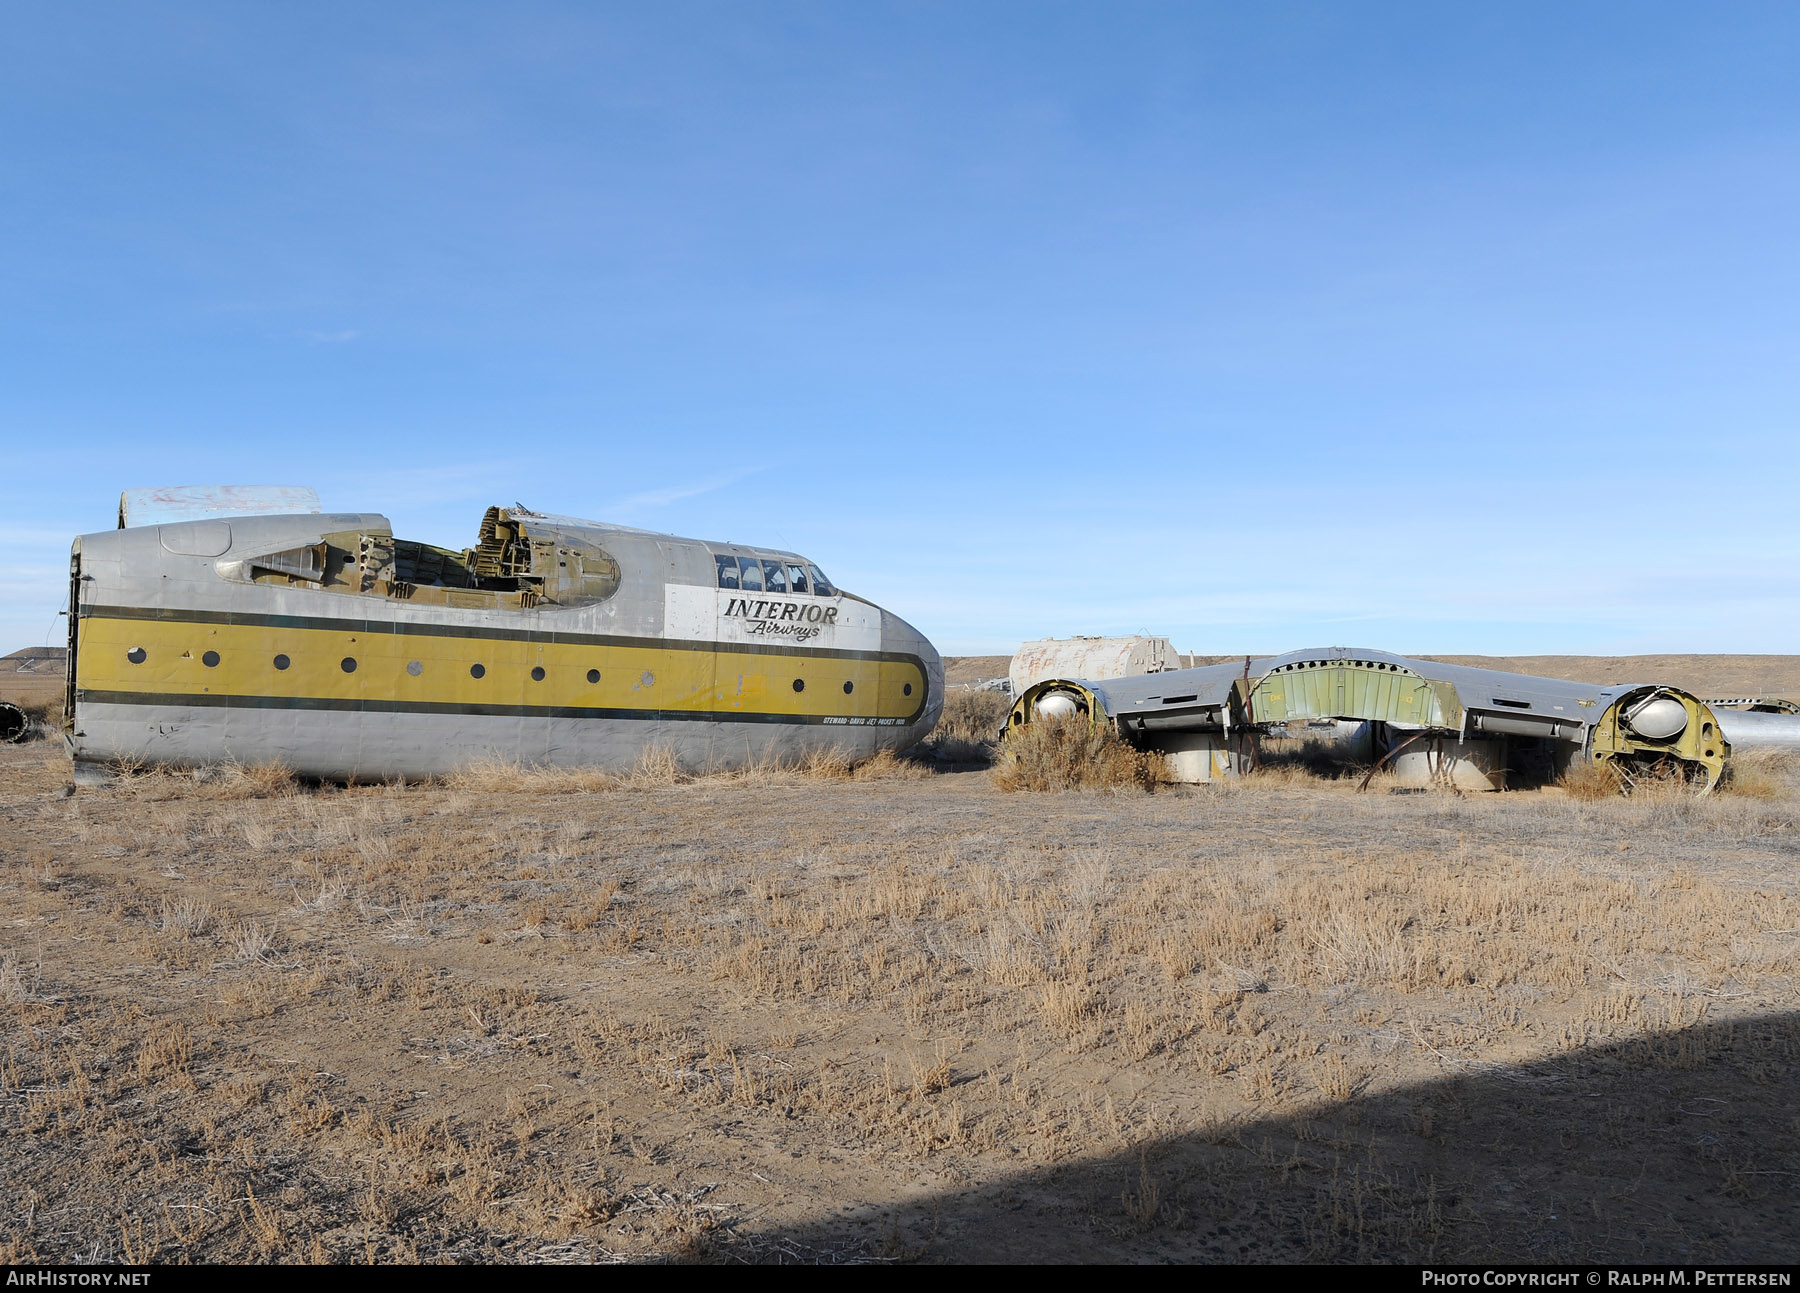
(1073, 755)
(658, 769)
(1588, 781)
(1654, 780)
(224, 782)
(1762, 774)
(801, 1015)
(1326, 760)
(969, 727)
(46, 712)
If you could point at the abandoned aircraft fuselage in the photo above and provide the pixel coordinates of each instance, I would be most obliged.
(324, 643)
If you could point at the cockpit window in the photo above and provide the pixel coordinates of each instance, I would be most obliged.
(772, 574)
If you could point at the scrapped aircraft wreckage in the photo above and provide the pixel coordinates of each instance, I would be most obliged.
(1758, 722)
(1450, 724)
(241, 624)
(1755, 705)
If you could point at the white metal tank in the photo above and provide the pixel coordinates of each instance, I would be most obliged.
(1750, 731)
(1473, 763)
(1090, 659)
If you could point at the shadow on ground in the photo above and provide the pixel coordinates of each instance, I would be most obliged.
(1676, 1147)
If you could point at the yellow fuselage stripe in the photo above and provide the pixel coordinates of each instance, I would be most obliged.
(652, 677)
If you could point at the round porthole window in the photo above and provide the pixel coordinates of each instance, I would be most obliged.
(477, 671)
(414, 668)
(799, 684)
(282, 662)
(135, 655)
(849, 687)
(348, 664)
(593, 675)
(210, 659)
(537, 673)
(906, 690)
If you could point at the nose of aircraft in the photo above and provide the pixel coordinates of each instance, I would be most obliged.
(900, 638)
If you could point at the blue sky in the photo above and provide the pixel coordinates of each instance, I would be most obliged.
(1433, 328)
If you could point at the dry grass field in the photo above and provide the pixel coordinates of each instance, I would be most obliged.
(892, 1015)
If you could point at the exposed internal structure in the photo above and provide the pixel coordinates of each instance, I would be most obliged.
(508, 566)
(1471, 728)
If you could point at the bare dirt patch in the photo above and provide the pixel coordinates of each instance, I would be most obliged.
(815, 1017)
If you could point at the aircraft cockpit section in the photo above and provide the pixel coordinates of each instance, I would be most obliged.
(202, 630)
(785, 576)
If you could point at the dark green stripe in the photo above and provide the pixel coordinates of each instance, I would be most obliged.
(365, 706)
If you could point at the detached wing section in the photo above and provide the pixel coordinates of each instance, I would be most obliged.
(1215, 709)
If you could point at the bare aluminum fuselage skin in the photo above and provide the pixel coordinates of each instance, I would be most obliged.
(198, 643)
(1747, 730)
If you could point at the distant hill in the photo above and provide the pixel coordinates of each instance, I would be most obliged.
(961, 670)
(33, 676)
(1704, 675)
(27, 659)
